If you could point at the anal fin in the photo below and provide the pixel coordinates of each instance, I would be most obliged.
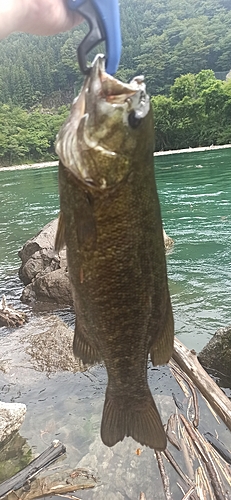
(83, 349)
(162, 347)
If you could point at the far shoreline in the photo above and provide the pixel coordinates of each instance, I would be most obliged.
(157, 153)
(192, 150)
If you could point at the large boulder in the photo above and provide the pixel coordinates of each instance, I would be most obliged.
(38, 255)
(43, 271)
(217, 353)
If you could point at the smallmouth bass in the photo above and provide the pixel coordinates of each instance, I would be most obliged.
(110, 221)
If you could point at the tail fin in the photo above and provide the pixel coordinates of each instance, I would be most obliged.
(142, 422)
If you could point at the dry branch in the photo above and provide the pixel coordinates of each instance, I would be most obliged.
(164, 476)
(202, 448)
(189, 363)
(18, 480)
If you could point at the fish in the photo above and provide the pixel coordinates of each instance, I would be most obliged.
(110, 221)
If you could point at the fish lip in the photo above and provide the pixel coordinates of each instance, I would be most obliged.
(95, 77)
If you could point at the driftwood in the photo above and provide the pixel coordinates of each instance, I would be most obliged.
(206, 474)
(219, 446)
(9, 317)
(60, 482)
(164, 476)
(187, 360)
(37, 465)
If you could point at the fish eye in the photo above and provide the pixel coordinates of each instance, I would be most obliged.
(133, 121)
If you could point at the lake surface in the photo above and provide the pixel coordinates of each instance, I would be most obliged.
(195, 195)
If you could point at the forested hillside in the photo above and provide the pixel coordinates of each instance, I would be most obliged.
(196, 113)
(161, 39)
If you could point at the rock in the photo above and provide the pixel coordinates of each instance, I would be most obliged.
(38, 254)
(11, 418)
(51, 351)
(43, 271)
(217, 353)
(42, 260)
(52, 287)
(42, 345)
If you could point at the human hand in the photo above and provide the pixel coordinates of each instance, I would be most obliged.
(37, 17)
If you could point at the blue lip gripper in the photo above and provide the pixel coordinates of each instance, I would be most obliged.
(104, 22)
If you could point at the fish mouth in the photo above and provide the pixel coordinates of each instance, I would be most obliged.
(104, 87)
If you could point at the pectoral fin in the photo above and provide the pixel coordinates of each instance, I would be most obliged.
(162, 346)
(60, 234)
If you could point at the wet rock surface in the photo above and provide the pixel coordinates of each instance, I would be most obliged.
(44, 344)
(126, 468)
(123, 473)
(63, 402)
(216, 354)
(51, 351)
(25, 352)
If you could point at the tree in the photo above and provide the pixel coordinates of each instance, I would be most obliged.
(197, 112)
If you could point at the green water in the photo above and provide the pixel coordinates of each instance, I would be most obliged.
(28, 199)
(195, 196)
